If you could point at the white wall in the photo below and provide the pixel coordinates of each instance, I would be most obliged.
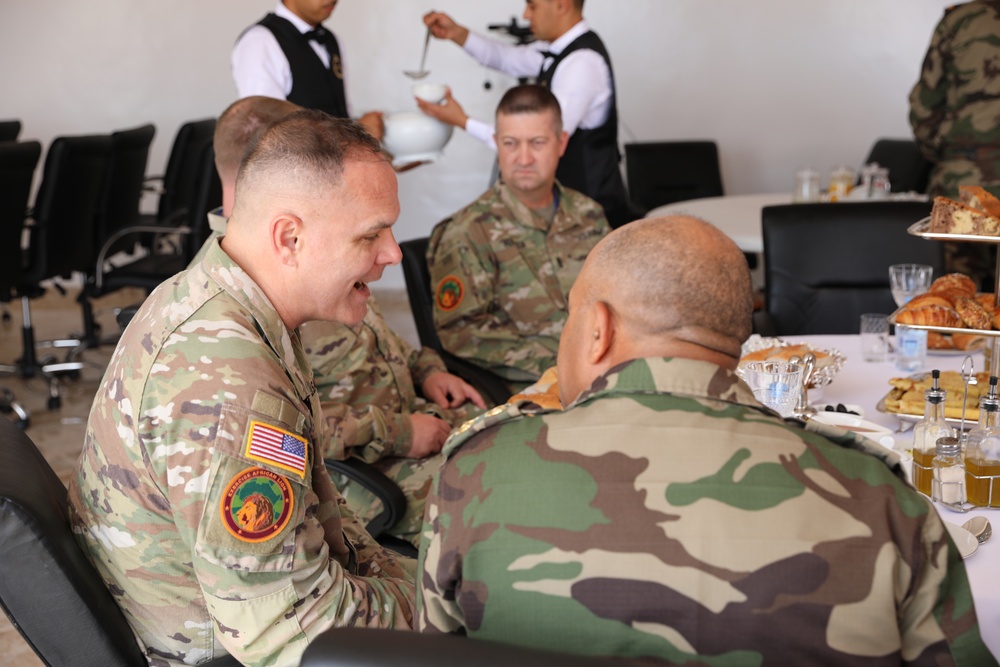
(777, 83)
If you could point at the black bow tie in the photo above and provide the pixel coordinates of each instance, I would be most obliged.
(317, 35)
(548, 54)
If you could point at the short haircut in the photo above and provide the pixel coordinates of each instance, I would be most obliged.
(238, 124)
(309, 147)
(530, 98)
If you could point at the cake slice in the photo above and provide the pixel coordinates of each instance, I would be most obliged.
(978, 197)
(951, 217)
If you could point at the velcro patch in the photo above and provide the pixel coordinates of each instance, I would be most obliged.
(450, 293)
(256, 505)
(278, 447)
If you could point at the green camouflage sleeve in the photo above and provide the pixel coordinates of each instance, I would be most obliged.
(369, 433)
(469, 322)
(929, 97)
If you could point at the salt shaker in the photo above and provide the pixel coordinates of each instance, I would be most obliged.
(948, 481)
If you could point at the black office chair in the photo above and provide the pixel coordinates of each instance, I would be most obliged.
(17, 170)
(664, 172)
(181, 177)
(61, 242)
(418, 287)
(366, 647)
(148, 271)
(826, 264)
(9, 130)
(909, 170)
(48, 588)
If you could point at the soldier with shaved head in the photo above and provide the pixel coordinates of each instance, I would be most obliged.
(201, 495)
(665, 514)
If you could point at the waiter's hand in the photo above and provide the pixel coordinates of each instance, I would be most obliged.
(443, 27)
(449, 111)
(372, 121)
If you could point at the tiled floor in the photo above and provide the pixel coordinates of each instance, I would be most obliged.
(59, 433)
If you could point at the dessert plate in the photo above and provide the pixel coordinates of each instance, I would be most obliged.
(963, 539)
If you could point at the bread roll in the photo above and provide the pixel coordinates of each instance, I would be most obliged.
(973, 315)
(954, 281)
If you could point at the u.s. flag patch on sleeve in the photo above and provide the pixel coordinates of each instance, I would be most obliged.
(277, 447)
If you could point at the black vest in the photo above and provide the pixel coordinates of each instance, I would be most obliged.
(313, 86)
(590, 163)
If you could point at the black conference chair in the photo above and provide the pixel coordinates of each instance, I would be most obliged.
(418, 287)
(148, 271)
(664, 172)
(48, 588)
(826, 264)
(366, 647)
(908, 168)
(9, 130)
(17, 170)
(181, 177)
(61, 242)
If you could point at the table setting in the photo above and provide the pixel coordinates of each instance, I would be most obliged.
(858, 382)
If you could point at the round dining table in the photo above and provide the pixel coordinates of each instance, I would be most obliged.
(737, 216)
(864, 384)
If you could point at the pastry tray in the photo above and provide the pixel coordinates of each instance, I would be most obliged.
(922, 228)
(908, 418)
(947, 330)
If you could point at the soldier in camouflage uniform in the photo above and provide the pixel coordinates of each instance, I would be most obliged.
(201, 495)
(501, 268)
(954, 111)
(666, 513)
(367, 377)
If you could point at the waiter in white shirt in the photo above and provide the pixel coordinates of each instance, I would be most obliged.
(290, 55)
(572, 60)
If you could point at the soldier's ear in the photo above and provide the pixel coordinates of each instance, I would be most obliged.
(602, 335)
(286, 238)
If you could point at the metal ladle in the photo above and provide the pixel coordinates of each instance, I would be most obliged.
(421, 73)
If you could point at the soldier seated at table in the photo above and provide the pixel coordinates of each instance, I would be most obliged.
(666, 513)
(386, 403)
(502, 267)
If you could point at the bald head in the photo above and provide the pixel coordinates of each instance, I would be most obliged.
(660, 287)
(238, 124)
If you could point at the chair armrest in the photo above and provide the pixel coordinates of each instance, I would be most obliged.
(763, 324)
(126, 231)
(373, 479)
(492, 387)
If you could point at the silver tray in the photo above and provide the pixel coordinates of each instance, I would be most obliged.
(820, 377)
(930, 327)
(906, 418)
(922, 228)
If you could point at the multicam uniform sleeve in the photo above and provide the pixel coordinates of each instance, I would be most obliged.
(368, 433)
(267, 539)
(422, 363)
(472, 324)
(929, 97)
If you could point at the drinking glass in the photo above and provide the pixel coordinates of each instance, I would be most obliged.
(908, 280)
(776, 384)
(874, 337)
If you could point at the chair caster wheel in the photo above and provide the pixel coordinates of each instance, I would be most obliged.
(54, 403)
(73, 375)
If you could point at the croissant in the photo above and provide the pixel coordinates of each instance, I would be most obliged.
(939, 341)
(987, 301)
(934, 316)
(931, 299)
(973, 314)
(956, 281)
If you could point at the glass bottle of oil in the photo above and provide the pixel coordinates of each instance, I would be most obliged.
(926, 434)
(982, 452)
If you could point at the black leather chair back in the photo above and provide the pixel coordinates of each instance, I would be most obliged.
(180, 177)
(124, 183)
(825, 264)
(365, 647)
(206, 195)
(9, 130)
(48, 588)
(66, 207)
(17, 169)
(908, 168)
(664, 172)
(418, 288)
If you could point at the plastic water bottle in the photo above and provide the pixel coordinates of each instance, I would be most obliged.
(911, 349)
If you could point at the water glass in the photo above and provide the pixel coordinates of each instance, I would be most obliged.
(908, 280)
(874, 337)
(776, 384)
(911, 349)
(806, 186)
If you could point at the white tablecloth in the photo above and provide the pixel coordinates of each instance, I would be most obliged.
(865, 383)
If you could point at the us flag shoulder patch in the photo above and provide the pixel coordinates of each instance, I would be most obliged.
(277, 447)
